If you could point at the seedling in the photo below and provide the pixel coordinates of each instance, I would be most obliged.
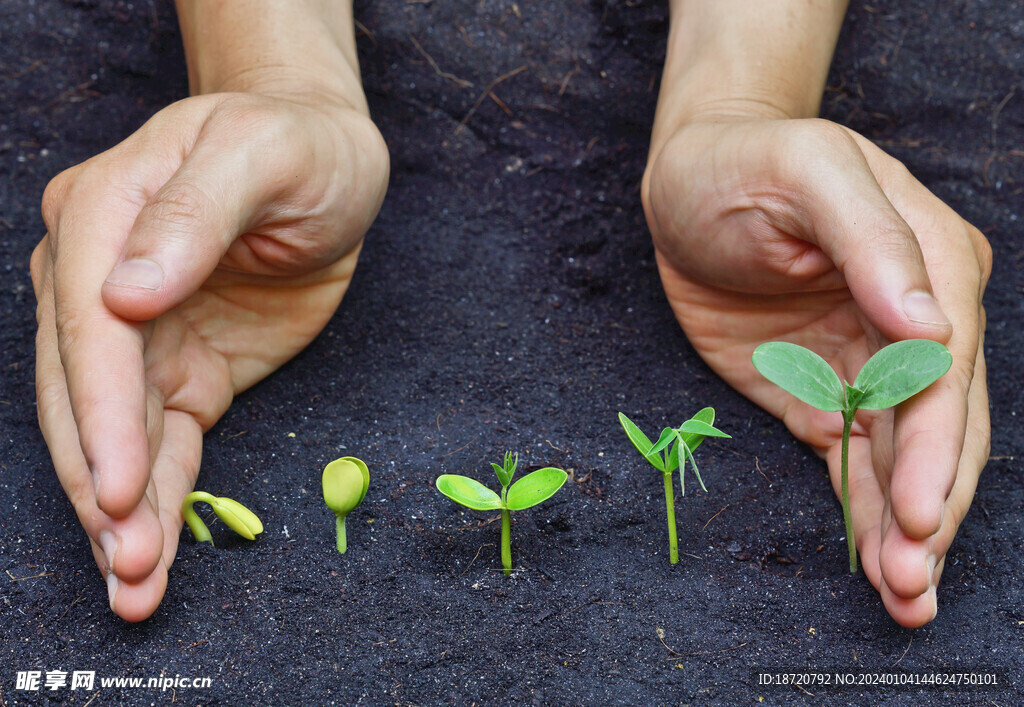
(236, 516)
(892, 375)
(687, 437)
(534, 488)
(345, 482)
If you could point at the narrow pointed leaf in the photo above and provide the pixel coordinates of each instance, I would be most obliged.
(468, 492)
(702, 428)
(534, 488)
(682, 470)
(673, 460)
(641, 442)
(502, 473)
(802, 373)
(667, 435)
(705, 415)
(900, 371)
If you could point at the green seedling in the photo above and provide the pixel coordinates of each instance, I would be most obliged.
(665, 457)
(236, 516)
(892, 375)
(534, 488)
(345, 482)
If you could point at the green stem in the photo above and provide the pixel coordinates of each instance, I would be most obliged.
(851, 544)
(506, 541)
(670, 511)
(342, 540)
(199, 530)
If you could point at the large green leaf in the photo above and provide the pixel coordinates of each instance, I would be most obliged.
(802, 373)
(641, 442)
(468, 492)
(534, 488)
(899, 371)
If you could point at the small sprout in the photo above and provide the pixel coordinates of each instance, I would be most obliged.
(345, 482)
(534, 488)
(892, 375)
(666, 458)
(236, 516)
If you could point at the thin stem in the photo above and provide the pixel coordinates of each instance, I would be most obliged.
(506, 541)
(199, 530)
(339, 524)
(845, 480)
(670, 511)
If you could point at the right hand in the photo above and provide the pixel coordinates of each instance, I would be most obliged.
(804, 231)
(179, 268)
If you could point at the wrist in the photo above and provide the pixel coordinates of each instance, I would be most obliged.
(735, 60)
(299, 50)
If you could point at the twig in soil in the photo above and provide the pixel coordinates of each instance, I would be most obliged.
(474, 558)
(94, 696)
(486, 92)
(722, 650)
(35, 576)
(76, 600)
(715, 516)
(501, 104)
(462, 447)
(757, 465)
(365, 30)
(568, 77)
(904, 652)
(997, 111)
(465, 38)
(554, 447)
(461, 83)
(661, 637)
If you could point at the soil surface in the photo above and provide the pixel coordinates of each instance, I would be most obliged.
(502, 302)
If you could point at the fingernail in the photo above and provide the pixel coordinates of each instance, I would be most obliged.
(935, 603)
(922, 308)
(140, 273)
(111, 588)
(108, 541)
(930, 563)
(96, 484)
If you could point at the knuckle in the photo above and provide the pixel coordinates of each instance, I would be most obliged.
(54, 196)
(177, 207)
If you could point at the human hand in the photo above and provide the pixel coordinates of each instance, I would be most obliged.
(179, 268)
(804, 231)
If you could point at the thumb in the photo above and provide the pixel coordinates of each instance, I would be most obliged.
(186, 227)
(858, 228)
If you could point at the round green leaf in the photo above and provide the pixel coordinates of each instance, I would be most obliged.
(534, 488)
(237, 517)
(900, 371)
(468, 492)
(343, 486)
(801, 373)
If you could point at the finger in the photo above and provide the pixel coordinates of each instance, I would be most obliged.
(911, 566)
(100, 354)
(930, 429)
(131, 544)
(855, 224)
(234, 175)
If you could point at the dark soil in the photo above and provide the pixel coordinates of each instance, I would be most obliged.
(507, 298)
